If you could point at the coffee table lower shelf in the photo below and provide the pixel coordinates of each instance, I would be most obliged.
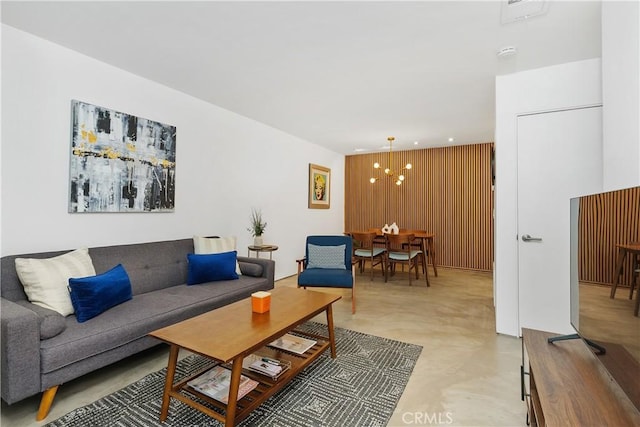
(266, 388)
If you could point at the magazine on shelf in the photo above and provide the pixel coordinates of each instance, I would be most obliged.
(293, 343)
(266, 368)
(264, 365)
(215, 383)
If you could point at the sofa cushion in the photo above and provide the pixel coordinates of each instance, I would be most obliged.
(45, 280)
(326, 277)
(94, 295)
(211, 267)
(326, 256)
(150, 266)
(215, 245)
(52, 323)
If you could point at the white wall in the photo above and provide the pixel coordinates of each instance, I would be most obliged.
(563, 86)
(225, 163)
(552, 88)
(621, 93)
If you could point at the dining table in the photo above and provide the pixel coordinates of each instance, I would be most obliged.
(426, 244)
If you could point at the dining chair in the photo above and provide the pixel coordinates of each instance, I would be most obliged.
(364, 250)
(635, 276)
(401, 251)
(419, 244)
(635, 272)
(328, 264)
(379, 239)
(635, 268)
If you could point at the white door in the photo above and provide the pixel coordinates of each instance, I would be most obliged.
(559, 157)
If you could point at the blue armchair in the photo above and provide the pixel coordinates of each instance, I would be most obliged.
(328, 264)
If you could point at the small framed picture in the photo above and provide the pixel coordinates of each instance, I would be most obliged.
(319, 187)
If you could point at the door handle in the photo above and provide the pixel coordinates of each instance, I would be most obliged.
(527, 238)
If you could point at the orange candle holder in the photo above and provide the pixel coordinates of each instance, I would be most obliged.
(260, 302)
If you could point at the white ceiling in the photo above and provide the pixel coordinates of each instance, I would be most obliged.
(344, 75)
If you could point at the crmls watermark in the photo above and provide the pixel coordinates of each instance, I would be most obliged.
(427, 418)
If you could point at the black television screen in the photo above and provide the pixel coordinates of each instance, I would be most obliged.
(600, 223)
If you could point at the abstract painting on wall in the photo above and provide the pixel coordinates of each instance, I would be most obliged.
(120, 162)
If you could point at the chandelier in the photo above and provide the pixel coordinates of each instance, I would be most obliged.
(388, 172)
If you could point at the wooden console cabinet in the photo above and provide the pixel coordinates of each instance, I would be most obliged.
(568, 386)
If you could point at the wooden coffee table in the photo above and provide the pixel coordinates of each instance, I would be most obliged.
(229, 333)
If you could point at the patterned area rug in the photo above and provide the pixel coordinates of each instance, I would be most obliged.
(361, 387)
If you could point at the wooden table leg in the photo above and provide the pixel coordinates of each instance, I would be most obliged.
(234, 385)
(618, 271)
(432, 255)
(168, 384)
(332, 335)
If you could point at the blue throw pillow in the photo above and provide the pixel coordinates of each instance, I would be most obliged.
(211, 267)
(93, 295)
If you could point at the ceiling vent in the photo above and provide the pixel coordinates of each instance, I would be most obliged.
(519, 10)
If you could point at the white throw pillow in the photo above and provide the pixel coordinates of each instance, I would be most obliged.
(215, 245)
(46, 281)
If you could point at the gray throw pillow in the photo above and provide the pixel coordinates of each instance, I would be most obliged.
(251, 269)
(52, 323)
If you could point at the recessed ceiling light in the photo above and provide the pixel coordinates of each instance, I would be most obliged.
(415, 142)
(358, 150)
(450, 139)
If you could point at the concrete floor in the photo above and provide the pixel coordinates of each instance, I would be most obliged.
(467, 375)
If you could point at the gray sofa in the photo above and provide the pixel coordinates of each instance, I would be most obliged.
(42, 349)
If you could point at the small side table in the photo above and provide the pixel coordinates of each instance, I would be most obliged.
(263, 248)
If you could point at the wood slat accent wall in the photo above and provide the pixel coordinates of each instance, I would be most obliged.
(447, 192)
(604, 221)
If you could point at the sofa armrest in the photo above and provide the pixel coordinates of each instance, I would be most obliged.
(19, 352)
(268, 267)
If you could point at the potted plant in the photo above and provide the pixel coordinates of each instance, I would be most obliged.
(257, 226)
